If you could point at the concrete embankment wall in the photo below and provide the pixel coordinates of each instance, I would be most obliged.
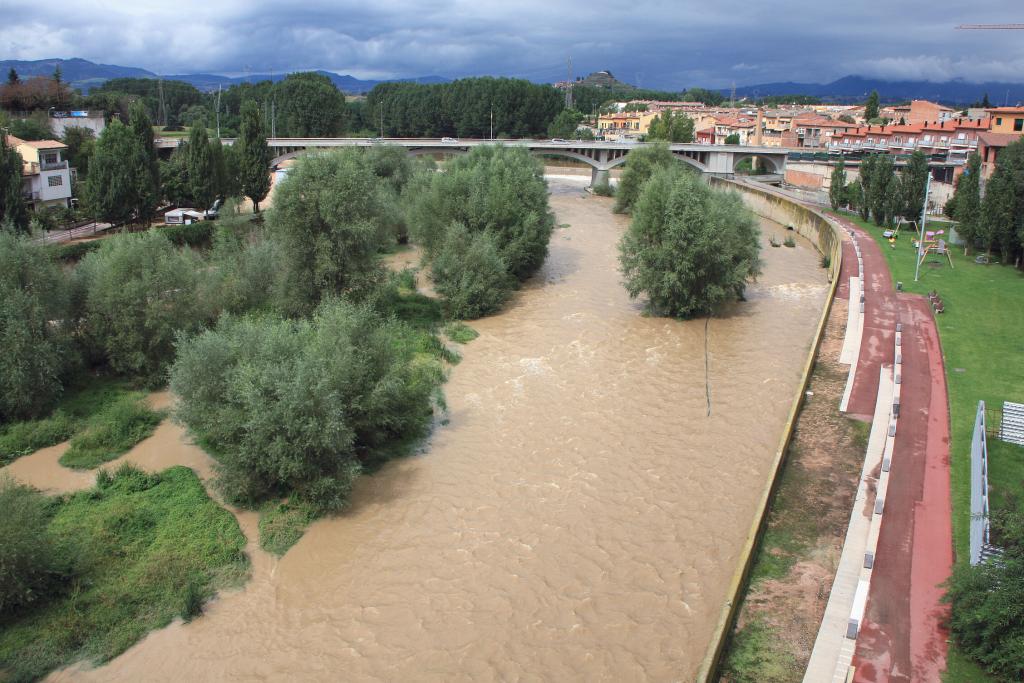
(826, 238)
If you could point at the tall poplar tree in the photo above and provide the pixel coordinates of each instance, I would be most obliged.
(202, 172)
(967, 202)
(116, 174)
(915, 179)
(12, 201)
(871, 106)
(253, 155)
(148, 163)
(837, 187)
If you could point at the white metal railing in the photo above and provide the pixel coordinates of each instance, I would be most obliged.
(979, 488)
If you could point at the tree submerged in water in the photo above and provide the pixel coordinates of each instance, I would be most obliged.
(689, 248)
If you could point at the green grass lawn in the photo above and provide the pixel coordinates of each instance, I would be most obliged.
(145, 549)
(982, 336)
(95, 411)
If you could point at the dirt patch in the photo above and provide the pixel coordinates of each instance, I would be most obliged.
(796, 564)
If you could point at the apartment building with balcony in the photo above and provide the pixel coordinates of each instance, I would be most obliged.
(1007, 119)
(45, 175)
(954, 138)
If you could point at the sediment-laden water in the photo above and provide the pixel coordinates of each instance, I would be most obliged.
(578, 518)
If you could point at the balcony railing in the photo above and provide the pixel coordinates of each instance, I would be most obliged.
(30, 195)
(55, 166)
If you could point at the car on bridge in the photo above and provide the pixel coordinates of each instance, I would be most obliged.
(449, 139)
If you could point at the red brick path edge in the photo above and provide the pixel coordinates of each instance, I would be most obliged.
(902, 637)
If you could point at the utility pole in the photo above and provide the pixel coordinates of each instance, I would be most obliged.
(382, 119)
(924, 216)
(492, 121)
(218, 111)
(568, 81)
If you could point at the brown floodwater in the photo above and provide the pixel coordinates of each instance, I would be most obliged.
(579, 517)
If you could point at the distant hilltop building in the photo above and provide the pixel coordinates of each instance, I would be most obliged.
(598, 79)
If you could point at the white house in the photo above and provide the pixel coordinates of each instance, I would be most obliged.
(60, 121)
(45, 173)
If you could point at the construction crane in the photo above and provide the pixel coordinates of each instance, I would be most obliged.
(990, 27)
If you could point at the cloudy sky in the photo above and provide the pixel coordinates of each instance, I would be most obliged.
(657, 43)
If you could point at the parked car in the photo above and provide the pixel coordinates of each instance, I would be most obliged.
(558, 141)
(449, 139)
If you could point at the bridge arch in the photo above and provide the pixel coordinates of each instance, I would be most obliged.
(770, 160)
(679, 157)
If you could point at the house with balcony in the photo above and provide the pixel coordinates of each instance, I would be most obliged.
(1007, 120)
(45, 175)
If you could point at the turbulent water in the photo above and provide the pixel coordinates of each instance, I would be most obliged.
(579, 517)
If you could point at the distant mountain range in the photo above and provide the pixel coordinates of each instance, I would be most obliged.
(857, 88)
(85, 75)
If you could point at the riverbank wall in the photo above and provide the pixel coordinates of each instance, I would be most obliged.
(827, 239)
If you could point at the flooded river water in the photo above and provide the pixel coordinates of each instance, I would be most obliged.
(579, 518)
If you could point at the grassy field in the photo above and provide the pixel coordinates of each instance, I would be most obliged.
(982, 336)
(145, 549)
(103, 417)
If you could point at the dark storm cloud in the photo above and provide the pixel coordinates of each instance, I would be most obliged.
(653, 42)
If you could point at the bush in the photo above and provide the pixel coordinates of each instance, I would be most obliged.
(72, 251)
(30, 561)
(282, 525)
(192, 235)
(22, 438)
(689, 248)
(460, 332)
(641, 164)
(987, 615)
(140, 290)
(790, 241)
(291, 406)
(471, 275)
(242, 273)
(112, 433)
(34, 329)
(603, 189)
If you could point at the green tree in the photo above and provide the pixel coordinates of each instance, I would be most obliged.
(565, 124)
(671, 127)
(866, 175)
(493, 189)
(140, 291)
(878, 192)
(292, 406)
(119, 176)
(1003, 205)
(327, 214)
(12, 77)
(854, 195)
(175, 187)
(988, 604)
(34, 329)
(31, 564)
(914, 181)
(967, 202)
(310, 106)
(895, 199)
(871, 106)
(253, 155)
(470, 273)
(81, 142)
(732, 139)
(689, 248)
(641, 164)
(202, 170)
(13, 211)
(837, 186)
(148, 164)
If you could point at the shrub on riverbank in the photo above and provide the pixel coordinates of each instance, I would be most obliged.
(112, 432)
(140, 291)
(987, 616)
(689, 248)
(289, 407)
(491, 204)
(641, 164)
(145, 549)
(34, 329)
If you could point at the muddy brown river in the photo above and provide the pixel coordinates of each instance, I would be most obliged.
(579, 518)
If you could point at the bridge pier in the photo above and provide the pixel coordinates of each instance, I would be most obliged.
(598, 176)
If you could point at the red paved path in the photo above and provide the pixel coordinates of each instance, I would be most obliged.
(902, 638)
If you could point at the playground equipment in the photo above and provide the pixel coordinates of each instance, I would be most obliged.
(900, 222)
(933, 244)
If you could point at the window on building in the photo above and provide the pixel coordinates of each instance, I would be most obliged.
(55, 181)
(999, 121)
(1018, 125)
(49, 158)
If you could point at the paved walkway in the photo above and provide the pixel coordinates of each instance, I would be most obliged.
(902, 638)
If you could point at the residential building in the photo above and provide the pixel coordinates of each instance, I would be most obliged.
(918, 111)
(954, 138)
(45, 175)
(990, 144)
(1007, 119)
(813, 130)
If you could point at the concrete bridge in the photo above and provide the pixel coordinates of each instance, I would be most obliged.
(600, 156)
